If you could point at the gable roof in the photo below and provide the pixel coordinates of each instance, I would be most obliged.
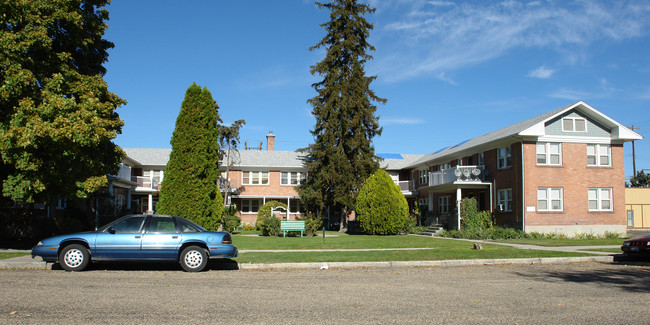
(396, 161)
(269, 159)
(533, 127)
(149, 156)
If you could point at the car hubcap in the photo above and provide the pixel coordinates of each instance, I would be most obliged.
(73, 258)
(193, 259)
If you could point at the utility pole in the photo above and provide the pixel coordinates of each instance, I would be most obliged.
(633, 154)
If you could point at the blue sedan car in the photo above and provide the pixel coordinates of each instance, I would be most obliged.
(139, 238)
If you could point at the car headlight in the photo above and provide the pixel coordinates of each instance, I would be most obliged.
(40, 243)
(647, 243)
(627, 243)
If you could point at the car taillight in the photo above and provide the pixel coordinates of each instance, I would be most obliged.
(226, 239)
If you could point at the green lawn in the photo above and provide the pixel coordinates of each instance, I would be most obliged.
(441, 249)
(5, 255)
(564, 242)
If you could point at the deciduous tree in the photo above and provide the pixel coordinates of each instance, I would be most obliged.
(57, 117)
(342, 156)
(190, 185)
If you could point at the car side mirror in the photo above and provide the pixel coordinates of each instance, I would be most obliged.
(111, 230)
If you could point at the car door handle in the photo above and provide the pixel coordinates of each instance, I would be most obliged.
(138, 237)
(174, 237)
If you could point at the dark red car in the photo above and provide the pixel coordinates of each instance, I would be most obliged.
(638, 246)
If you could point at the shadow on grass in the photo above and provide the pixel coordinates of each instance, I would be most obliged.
(213, 265)
(633, 279)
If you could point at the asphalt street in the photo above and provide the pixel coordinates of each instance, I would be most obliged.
(573, 293)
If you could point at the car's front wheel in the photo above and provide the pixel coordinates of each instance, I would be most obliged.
(194, 259)
(74, 257)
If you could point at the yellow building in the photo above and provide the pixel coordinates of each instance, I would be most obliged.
(637, 204)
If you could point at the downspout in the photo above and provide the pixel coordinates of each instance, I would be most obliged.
(523, 190)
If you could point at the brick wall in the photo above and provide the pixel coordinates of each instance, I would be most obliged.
(575, 178)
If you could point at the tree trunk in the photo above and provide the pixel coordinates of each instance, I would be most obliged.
(343, 227)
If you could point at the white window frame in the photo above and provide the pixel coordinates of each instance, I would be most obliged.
(481, 159)
(443, 204)
(573, 121)
(549, 195)
(504, 157)
(249, 206)
(599, 196)
(504, 196)
(597, 154)
(544, 151)
(292, 178)
(423, 176)
(255, 177)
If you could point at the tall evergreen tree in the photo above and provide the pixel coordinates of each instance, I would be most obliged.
(190, 186)
(57, 117)
(342, 156)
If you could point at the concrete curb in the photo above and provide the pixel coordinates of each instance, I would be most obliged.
(26, 262)
(403, 264)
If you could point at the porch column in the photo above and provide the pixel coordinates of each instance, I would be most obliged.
(150, 204)
(458, 198)
(288, 207)
(128, 199)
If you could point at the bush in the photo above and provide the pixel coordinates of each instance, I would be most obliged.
(471, 218)
(270, 226)
(230, 223)
(312, 224)
(381, 208)
(491, 233)
(265, 212)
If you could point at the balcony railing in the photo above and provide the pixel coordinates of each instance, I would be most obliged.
(405, 186)
(145, 182)
(226, 184)
(124, 173)
(457, 174)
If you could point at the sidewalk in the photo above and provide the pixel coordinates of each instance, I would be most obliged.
(26, 262)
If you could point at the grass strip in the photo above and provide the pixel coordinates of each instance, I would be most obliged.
(564, 242)
(6, 255)
(460, 252)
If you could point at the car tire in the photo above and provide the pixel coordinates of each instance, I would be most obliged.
(194, 259)
(74, 257)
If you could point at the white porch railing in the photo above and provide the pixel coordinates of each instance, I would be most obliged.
(457, 174)
(405, 186)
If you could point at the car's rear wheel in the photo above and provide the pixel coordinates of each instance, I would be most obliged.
(194, 259)
(74, 257)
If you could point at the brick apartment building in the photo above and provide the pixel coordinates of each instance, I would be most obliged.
(559, 172)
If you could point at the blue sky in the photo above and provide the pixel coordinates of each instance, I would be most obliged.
(451, 70)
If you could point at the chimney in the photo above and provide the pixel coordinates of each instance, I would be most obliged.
(270, 141)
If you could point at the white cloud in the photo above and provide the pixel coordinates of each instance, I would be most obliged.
(425, 38)
(542, 73)
(400, 120)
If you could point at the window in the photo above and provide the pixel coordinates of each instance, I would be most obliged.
(255, 178)
(481, 159)
(504, 199)
(599, 155)
(129, 225)
(549, 199)
(292, 178)
(600, 199)
(187, 226)
(161, 225)
(504, 157)
(250, 205)
(574, 124)
(443, 204)
(470, 160)
(423, 176)
(549, 153)
(423, 205)
(295, 206)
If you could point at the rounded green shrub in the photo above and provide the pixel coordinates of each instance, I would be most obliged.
(265, 210)
(381, 207)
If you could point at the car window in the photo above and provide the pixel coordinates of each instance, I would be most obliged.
(129, 225)
(164, 225)
(187, 226)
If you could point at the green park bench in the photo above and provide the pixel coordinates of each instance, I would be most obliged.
(298, 225)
